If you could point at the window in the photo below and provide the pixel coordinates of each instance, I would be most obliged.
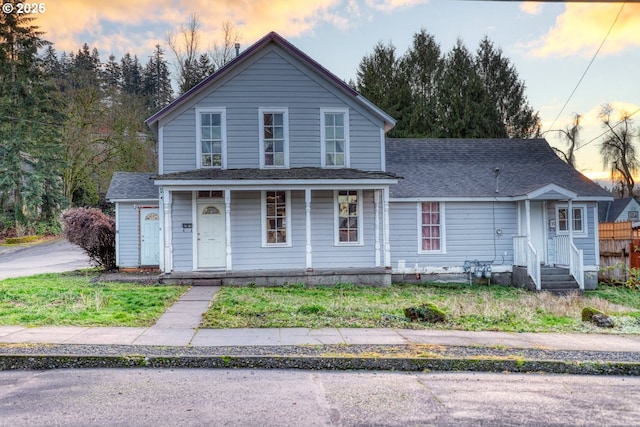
(579, 218)
(334, 134)
(276, 206)
(349, 224)
(430, 227)
(274, 136)
(211, 136)
(632, 214)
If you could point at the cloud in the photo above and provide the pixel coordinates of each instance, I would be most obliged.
(583, 26)
(390, 5)
(120, 25)
(531, 8)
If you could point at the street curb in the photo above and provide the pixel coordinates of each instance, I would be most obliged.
(401, 364)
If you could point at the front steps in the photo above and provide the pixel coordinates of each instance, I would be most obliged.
(557, 280)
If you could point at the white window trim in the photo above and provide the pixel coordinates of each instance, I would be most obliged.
(336, 220)
(223, 133)
(285, 123)
(263, 217)
(576, 233)
(323, 145)
(443, 234)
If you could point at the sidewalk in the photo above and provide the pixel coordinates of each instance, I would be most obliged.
(178, 330)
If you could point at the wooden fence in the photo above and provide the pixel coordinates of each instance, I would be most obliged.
(619, 249)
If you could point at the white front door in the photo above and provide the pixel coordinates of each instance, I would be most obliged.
(211, 244)
(538, 230)
(149, 236)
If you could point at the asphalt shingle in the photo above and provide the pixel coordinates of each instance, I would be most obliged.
(132, 186)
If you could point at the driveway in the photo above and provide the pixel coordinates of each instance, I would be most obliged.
(54, 256)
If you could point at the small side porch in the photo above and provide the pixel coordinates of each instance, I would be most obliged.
(546, 256)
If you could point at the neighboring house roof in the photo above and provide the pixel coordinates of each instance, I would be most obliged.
(247, 56)
(132, 186)
(476, 168)
(610, 211)
(305, 173)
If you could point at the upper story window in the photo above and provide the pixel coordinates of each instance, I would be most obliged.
(334, 136)
(578, 219)
(211, 136)
(274, 137)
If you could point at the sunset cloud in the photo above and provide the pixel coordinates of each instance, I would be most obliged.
(389, 5)
(114, 25)
(531, 8)
(583, 26)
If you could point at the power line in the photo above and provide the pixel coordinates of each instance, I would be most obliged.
(588, 66)
(607, 131)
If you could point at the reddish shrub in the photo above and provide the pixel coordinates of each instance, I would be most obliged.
(94, 232)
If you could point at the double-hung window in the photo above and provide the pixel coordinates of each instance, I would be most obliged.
(348, 217)
(578, 219)
(334, 136)
(274, 137)
(430, 227)
(211, 135)
(276, 208)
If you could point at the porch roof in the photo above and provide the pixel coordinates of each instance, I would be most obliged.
(132, 186)
(304, 175)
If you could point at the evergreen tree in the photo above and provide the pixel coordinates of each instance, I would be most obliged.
(157, 81)
(112, 74)
(506, 92)
(423, 66)
(30, 147)
(463, 107)
(380, 80)
(131, 74)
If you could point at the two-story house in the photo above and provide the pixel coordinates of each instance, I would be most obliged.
(273, 170)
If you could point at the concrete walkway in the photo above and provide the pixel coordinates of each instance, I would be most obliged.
(179, 326)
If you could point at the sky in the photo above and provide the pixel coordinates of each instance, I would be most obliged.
(573, 57)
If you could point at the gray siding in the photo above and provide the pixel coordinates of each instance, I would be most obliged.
(182, 239)
(274, 80)
(470, 234)
(128, 235)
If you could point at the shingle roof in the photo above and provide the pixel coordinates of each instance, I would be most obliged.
(308, 173)
(467, 168)
(611, 210)
(132, 186)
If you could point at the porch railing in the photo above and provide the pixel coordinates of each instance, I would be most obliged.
(576, 264)
(525, 255)
(567, 253)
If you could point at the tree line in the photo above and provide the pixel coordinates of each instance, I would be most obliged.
(453, 94)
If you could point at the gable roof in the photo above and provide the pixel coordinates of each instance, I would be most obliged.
(610, 211)
(246, 57)
(132, 186)
(484, 168)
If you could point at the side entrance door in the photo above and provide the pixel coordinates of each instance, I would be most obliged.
(539, 230)
(211, 236)
(149, 236)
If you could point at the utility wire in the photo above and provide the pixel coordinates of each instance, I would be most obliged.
(588, 66)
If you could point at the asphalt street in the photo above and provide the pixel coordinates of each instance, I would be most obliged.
(55, 256)
(240, 397)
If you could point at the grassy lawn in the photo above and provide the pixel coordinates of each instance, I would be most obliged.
(71, 299)
(468, 307)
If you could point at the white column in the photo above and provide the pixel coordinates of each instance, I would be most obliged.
(570, 220)
(527, 213)
(227, 222)
(376, 208)
(307, 208)
(385, 228)
(167, 201)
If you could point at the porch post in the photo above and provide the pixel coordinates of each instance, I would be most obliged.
(227, 221)
(385, 227)
(168, 231)
(307, 208)
(527, 213)
(376, 208)
(570, 220)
